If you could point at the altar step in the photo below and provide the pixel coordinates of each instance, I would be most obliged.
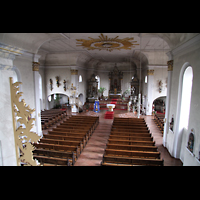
(116, 108)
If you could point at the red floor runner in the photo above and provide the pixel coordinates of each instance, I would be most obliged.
(109, 115)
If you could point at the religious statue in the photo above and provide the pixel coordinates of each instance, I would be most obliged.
(171, 125)
(160, 84)
(191, 142)
(57, 81)
(51, 84)
(65, 88)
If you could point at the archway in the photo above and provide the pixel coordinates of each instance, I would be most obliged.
(57, 100)
(159, 104)
(80, 96)
(183, 106)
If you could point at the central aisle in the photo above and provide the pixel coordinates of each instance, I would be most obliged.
(92, 154)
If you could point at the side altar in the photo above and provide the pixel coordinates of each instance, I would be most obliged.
(115, 78)
(92, 89)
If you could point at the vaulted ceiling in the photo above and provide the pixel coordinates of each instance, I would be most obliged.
(96, 50)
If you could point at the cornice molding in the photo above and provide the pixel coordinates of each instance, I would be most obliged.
(9, 52)
(176, 51)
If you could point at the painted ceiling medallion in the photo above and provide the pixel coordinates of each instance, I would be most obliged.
(105, 43)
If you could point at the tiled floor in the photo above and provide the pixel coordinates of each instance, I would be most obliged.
(93, 152)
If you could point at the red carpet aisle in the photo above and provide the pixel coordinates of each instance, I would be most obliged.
(109, 115)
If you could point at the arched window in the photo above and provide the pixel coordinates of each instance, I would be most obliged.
(186, 97)
(80, 79)
(183, 106)
(40, 92)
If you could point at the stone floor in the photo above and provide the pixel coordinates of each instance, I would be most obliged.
(93, 152)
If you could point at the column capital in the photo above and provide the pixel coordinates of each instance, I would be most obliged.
(36, 66)
(74, 72)
(170, 65)
(150, 72)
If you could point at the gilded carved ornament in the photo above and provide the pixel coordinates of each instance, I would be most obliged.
(150, 72)
(23, 135)
(74, 72)
(170, 65)
(105, 43)
(36, 66)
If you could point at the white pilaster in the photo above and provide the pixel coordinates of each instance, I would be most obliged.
(74, 78)
(7, 55)
(150, 83)
(169, 80)
(37, 97)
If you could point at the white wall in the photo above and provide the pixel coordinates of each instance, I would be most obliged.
(160, 73)
(24, 64)
(42, 73)
(188, 54)
(6, 126)
(65, 74)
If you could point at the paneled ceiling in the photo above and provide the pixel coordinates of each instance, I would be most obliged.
(96, 49)
(69, 43)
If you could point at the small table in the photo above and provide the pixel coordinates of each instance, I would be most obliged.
(110, 107)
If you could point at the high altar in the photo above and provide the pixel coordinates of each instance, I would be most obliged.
(115, 78)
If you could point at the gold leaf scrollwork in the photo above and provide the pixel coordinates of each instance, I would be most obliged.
(23, 135)
(105, 43)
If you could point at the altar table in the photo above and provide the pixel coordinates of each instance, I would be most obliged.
(110, 107)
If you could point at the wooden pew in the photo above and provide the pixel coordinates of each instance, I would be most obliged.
(59, 137)
(50, 117)
(129, 131)
(63, 145)
(132, 161)
(132, 147)
(130, 143)
(84, 134)
(58, 147)
(136, 154)
(58, 154)
(136, 134)
(87, 132)
(63, 142)
(122, 137)
(52, 160)
(124, 128)
(158, 119)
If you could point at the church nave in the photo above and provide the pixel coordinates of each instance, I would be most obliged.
(93, 152)
(45, 76)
